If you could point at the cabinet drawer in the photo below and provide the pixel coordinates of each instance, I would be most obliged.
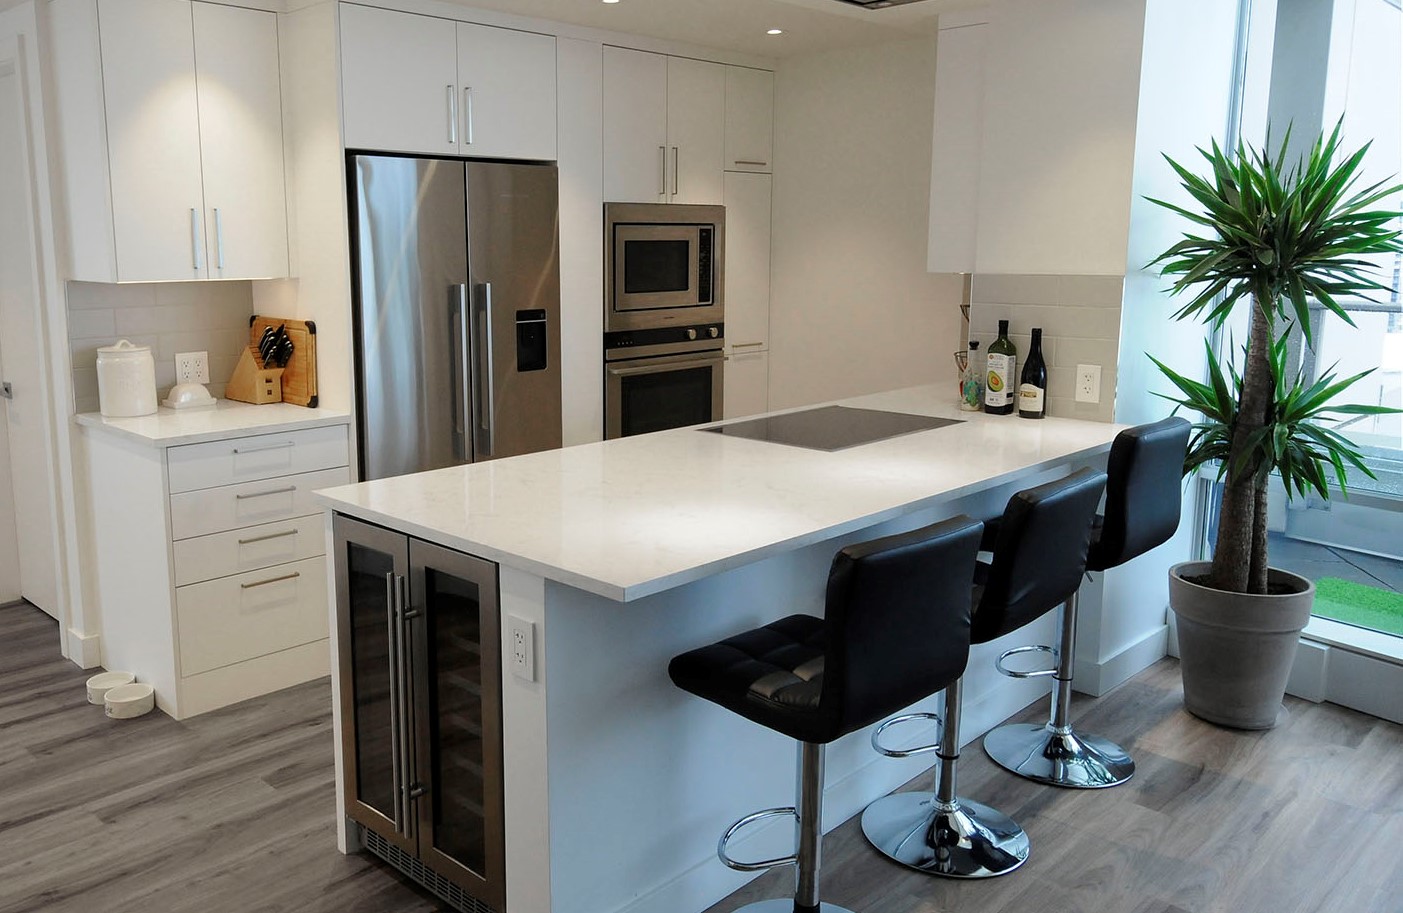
(262, 456)
(249, 615)
(214, 510)
(239, 550)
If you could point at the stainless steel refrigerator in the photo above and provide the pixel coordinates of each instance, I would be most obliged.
(457, 285)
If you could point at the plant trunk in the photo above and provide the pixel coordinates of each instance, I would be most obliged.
(1240, 557)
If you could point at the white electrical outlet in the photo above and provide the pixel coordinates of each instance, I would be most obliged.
(1088, 383)
(521, 647)
(192, 368)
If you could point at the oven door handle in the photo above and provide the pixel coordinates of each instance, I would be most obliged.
(657, 365)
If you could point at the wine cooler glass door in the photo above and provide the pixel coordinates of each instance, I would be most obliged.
(455, 624)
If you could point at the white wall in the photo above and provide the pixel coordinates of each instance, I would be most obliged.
(852, 308)
(1060, 89)
(9, 544)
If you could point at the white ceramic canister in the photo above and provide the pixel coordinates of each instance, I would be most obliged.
(126, 380)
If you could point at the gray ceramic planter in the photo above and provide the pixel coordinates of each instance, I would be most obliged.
(1236, 650)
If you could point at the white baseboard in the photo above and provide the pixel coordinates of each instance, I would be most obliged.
(1096, 678)
(84, 650)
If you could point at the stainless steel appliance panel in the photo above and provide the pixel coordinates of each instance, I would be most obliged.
(412, 262)
(655, 394)
(514, 282)
(665, 303)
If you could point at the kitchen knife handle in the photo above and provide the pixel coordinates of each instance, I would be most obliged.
(486, 391)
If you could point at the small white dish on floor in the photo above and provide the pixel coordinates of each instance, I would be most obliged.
(128, 701)
(100, 684)
(188, 396)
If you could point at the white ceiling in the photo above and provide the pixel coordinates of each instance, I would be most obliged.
(740, 25)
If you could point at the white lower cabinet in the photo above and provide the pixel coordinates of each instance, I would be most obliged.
(211, 572)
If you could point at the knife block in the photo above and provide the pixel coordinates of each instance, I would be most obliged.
(253, 383)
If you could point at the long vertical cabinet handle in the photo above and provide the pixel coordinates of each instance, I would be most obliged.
(452, 116)
(218, 238)
(662, 172)
(406, 709)
(468, 115)
(487, 399)
(676, 165)
(197, 245)
(396, 728)
(463, 396)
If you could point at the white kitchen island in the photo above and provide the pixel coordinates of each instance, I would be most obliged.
(625, 553)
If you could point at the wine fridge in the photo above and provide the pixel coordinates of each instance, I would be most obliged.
(420, 671)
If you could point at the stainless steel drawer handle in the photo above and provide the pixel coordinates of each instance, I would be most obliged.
(747, 345)
(264, 494)
(747, 162)
(293, 576)
(278, 446)
(282, 535)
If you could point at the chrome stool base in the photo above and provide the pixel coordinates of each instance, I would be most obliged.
(973, 841)
(786, 905)
(1038, 752)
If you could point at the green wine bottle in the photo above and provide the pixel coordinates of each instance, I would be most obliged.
(1001, 374)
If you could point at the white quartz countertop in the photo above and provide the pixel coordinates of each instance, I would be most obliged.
(635, 516)
(227, 418)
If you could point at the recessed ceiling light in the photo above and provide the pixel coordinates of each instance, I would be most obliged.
(770, 32)
(611, 1)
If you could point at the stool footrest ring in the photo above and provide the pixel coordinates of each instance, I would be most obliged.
(904, 752)
(1036, 673)
(762, 864)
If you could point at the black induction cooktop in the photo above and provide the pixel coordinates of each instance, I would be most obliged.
(832, 427)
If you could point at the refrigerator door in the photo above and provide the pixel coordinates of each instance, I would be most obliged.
(411, 275)
(514, 276)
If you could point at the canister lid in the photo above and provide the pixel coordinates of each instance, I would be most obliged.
(123, 348)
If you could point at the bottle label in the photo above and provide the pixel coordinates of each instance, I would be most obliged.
(1030, 398)
(999, 390)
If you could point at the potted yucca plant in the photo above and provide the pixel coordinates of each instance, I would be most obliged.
(1271, 236)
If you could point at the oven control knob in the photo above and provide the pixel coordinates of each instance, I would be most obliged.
(713, 332)
(691, 333)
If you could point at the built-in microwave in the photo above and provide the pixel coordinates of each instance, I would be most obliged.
(663, 265)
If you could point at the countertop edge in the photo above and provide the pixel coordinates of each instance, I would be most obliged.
(121, 427)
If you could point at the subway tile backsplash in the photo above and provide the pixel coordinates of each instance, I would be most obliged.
(169, 317)
(1080, 320)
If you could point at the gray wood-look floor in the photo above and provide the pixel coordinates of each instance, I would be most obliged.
(233, 811)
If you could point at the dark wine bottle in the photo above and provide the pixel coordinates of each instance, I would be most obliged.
(1032, 388)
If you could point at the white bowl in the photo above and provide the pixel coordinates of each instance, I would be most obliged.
(100, 684)
(127, 701)
(188, 396)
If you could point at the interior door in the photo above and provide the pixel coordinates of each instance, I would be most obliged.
(30, 541)
(457, 661)
(372, 566)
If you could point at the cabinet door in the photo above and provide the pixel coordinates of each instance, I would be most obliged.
(636, 163)
(696, 129)
(457, 670)
(747, 198)
(750, 112)
(399, 77)
(507, 81)
(747, 390)
(153, 139)
(371, 567)
(241, 141)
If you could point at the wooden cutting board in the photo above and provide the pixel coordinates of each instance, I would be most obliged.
(300, 376)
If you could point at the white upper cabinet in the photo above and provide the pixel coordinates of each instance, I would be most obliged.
(241, 148)
(664, 128)
(399, 81)
(182, 116)
(750, 110)
(696, 129)
(636, 165)
(747, 198)
(507, 88)
(412, 83)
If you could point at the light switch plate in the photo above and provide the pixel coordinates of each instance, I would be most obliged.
(192, 368)
(1088, 384)
(521, 647)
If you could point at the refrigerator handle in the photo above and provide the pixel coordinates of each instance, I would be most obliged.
(487, 400)
(463, 360)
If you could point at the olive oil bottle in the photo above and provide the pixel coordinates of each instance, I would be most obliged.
(1001, 374)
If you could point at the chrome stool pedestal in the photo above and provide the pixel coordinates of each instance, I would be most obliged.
(1053, 752)
(940, 833)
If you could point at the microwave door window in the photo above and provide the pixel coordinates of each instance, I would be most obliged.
(652, 267)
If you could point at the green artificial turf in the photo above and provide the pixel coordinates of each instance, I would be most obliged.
(1356, 604)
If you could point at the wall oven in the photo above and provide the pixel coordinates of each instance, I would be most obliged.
(663, 265)
(662, 378)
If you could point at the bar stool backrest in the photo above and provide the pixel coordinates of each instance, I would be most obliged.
(1039, 555)
(1143, 492)
(897, 616)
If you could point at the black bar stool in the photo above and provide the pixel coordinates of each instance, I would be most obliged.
(896, 630)
(1043, 538)
(1142, 512)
